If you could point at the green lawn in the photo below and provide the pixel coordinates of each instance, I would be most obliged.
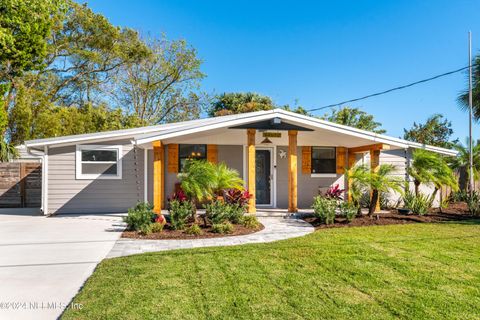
(416, 271)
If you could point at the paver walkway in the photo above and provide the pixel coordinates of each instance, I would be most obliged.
(276, 228)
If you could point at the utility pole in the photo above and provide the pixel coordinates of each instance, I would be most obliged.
(470, 108)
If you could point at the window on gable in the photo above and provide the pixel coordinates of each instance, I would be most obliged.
(98, 162)
(324, 160)
(188, 152)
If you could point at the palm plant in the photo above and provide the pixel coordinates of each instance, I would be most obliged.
(462, 160)
(359, 177)
(226, 178)
(382, 180)
(197, 180)
(428, 167)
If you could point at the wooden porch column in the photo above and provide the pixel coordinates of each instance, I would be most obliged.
(251, 170)
(158, 176)
(374, 166)
(351, 163)
(292, 171)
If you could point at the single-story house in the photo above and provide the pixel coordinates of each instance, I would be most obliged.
(285, 159)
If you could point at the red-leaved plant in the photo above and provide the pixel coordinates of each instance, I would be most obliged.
(334, 192)
(179, 196)
(236, 196)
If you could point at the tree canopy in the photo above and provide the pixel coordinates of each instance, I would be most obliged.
(239, 102)
(463, 97)
(436, 131)
(71, 71)
(354, 117)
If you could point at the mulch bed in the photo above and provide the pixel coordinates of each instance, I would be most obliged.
(169, 233)
(455, 212)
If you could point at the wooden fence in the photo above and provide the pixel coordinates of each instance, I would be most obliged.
(20, 184)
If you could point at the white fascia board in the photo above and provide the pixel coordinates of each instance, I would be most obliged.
(374, 137)
(73, 139)
(366, 134)
(209, 126)
(125, 133)
(447, 152)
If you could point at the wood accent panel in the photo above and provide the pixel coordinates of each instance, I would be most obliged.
(172, 153)
(212, 153)
(374, 166)
(251, 169)
(341, 159)
(158, 176)
(368, 148)
(292, 171)
(20, 184)
(306, 160)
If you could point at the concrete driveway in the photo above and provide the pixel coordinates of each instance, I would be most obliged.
(45, 261)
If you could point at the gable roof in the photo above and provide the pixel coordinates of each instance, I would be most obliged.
(166, 131)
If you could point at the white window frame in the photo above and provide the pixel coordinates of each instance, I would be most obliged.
(78, 162)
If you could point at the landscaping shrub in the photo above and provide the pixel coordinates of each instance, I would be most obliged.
(180, 211)
(194, 229)
(236, 196)
(157, 227)
(324, 209)
(459, 196)
(250, 222)
(146, 229)
(334, 192)
(348, 210)
(365, 199)
(139, 216)
(222, 228)
(419, 204)
(235, 213)
(473, 202)
(216, 211)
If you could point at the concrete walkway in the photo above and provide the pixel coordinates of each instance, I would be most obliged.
(276, 228)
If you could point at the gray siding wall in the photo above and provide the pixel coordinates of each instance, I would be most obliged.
(400, 158)
(66, 194)
(308, 186)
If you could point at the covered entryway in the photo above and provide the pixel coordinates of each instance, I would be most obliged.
(300, 171)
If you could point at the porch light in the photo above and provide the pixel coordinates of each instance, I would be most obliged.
(266, 141)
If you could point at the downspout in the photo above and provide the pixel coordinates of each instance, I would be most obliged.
(45, 181)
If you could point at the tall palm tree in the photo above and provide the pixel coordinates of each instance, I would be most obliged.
(382, 180)
(463, 97)
(428, 167)
(462, 160)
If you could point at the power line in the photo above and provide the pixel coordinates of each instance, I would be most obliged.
(389, 90)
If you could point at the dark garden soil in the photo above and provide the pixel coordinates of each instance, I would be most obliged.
(169, 233)
(455, 212)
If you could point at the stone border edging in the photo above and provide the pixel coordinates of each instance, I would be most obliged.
(276, 228)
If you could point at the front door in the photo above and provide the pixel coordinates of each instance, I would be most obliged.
(263, 176)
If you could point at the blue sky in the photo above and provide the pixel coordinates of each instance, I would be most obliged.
(323, 52)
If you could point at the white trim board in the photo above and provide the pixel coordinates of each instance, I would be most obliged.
(78, 162)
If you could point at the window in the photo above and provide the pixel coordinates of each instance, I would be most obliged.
(190, 151)
(324, 160)
(98, 162)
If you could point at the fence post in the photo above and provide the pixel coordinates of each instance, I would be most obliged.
(23, 192)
